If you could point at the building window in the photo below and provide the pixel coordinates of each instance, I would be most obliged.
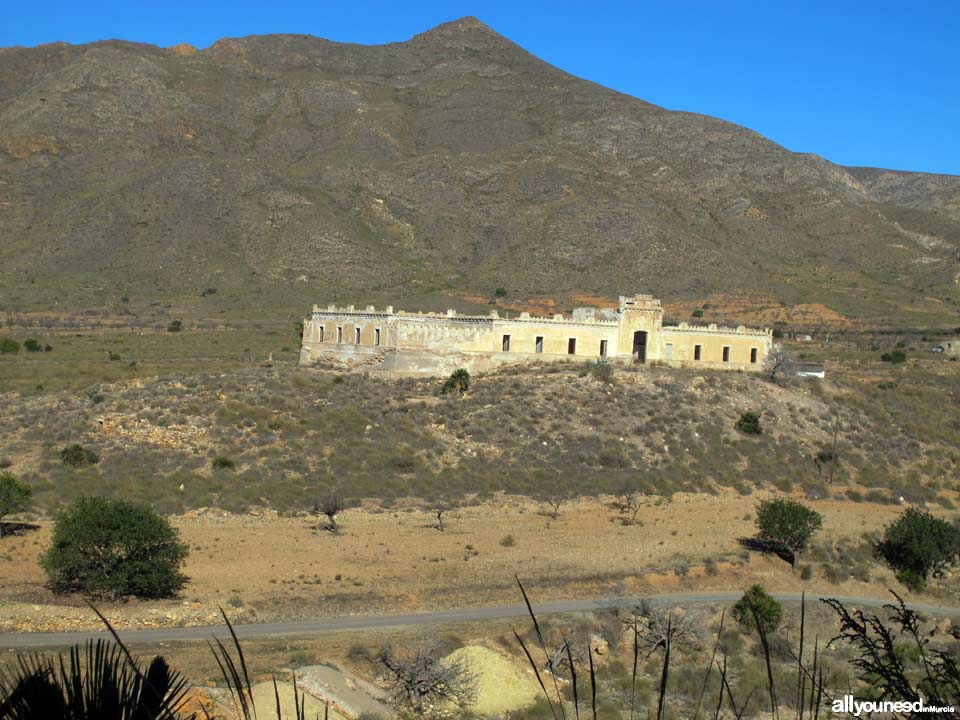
(506, 343)
(697, 352)
(538, 345)
(376, 336)
(726, 353)
(339, 333)
(603, 348)
(356, 336)
(320, 334)
(572, 346)
(753, 355)
(668, 352)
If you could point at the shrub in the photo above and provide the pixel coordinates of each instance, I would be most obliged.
(223, 463)
(31, 345)
(749, 423)
(175, 326)
(76, 455)
(603, 371)
(9, 346)
(358, 654)
(15, 497)
(114, 548)
(697, 313)
(768, 611)
(917, 545)
(500, 291)
(894, 356)
(787, 523)
(507, 541)
(459, 381)
(806, 572)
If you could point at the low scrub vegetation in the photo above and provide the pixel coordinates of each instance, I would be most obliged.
(296, 435)
(76, 456)
(749, 423)
(459, 382)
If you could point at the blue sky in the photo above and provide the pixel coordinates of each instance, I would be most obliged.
(860, 83)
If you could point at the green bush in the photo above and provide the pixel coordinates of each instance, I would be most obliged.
(787, 523)
(114, 548)
(917, 545)
(768, 611)
(500, 291)
(31, 345)
(76, 455)
(603, 371)
(9, 346)
(15, 497)
(749, 423)
(175, 326)
(894, 356)
(223, 463)
(459, 381)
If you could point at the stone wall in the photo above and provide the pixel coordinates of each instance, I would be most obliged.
(437, 343)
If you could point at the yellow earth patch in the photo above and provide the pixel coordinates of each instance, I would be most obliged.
(265, 701)
(502, 685)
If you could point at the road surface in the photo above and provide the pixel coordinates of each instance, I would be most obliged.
(295, 628)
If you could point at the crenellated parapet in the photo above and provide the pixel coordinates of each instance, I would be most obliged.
(713, 328)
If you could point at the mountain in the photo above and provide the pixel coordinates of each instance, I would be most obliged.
(283, 170)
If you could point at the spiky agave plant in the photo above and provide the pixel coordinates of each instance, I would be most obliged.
(101, 680)
(96, 680)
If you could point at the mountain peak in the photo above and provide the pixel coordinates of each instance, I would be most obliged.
(463, 32)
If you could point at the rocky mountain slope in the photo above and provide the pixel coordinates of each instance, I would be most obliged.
(283, 170)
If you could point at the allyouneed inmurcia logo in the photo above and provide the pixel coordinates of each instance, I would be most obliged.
(865, 708)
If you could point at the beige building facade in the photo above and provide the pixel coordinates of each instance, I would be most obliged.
(438, 343)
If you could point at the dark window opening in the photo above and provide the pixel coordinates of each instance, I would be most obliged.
(376, 336)
(538, 346)
(339, 334)
(572, 346)
(603, 348)
(726, 353)
(506, 343)
(753, 355)
(320, 333)
(697, 352)
(356, 337)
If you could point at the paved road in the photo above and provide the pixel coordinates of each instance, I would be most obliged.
(293, 628)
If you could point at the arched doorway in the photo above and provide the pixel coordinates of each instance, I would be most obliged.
(640, 346)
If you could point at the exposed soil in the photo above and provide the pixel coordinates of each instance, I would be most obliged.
(265, 567)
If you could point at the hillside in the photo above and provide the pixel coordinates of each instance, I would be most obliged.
(283, 170)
